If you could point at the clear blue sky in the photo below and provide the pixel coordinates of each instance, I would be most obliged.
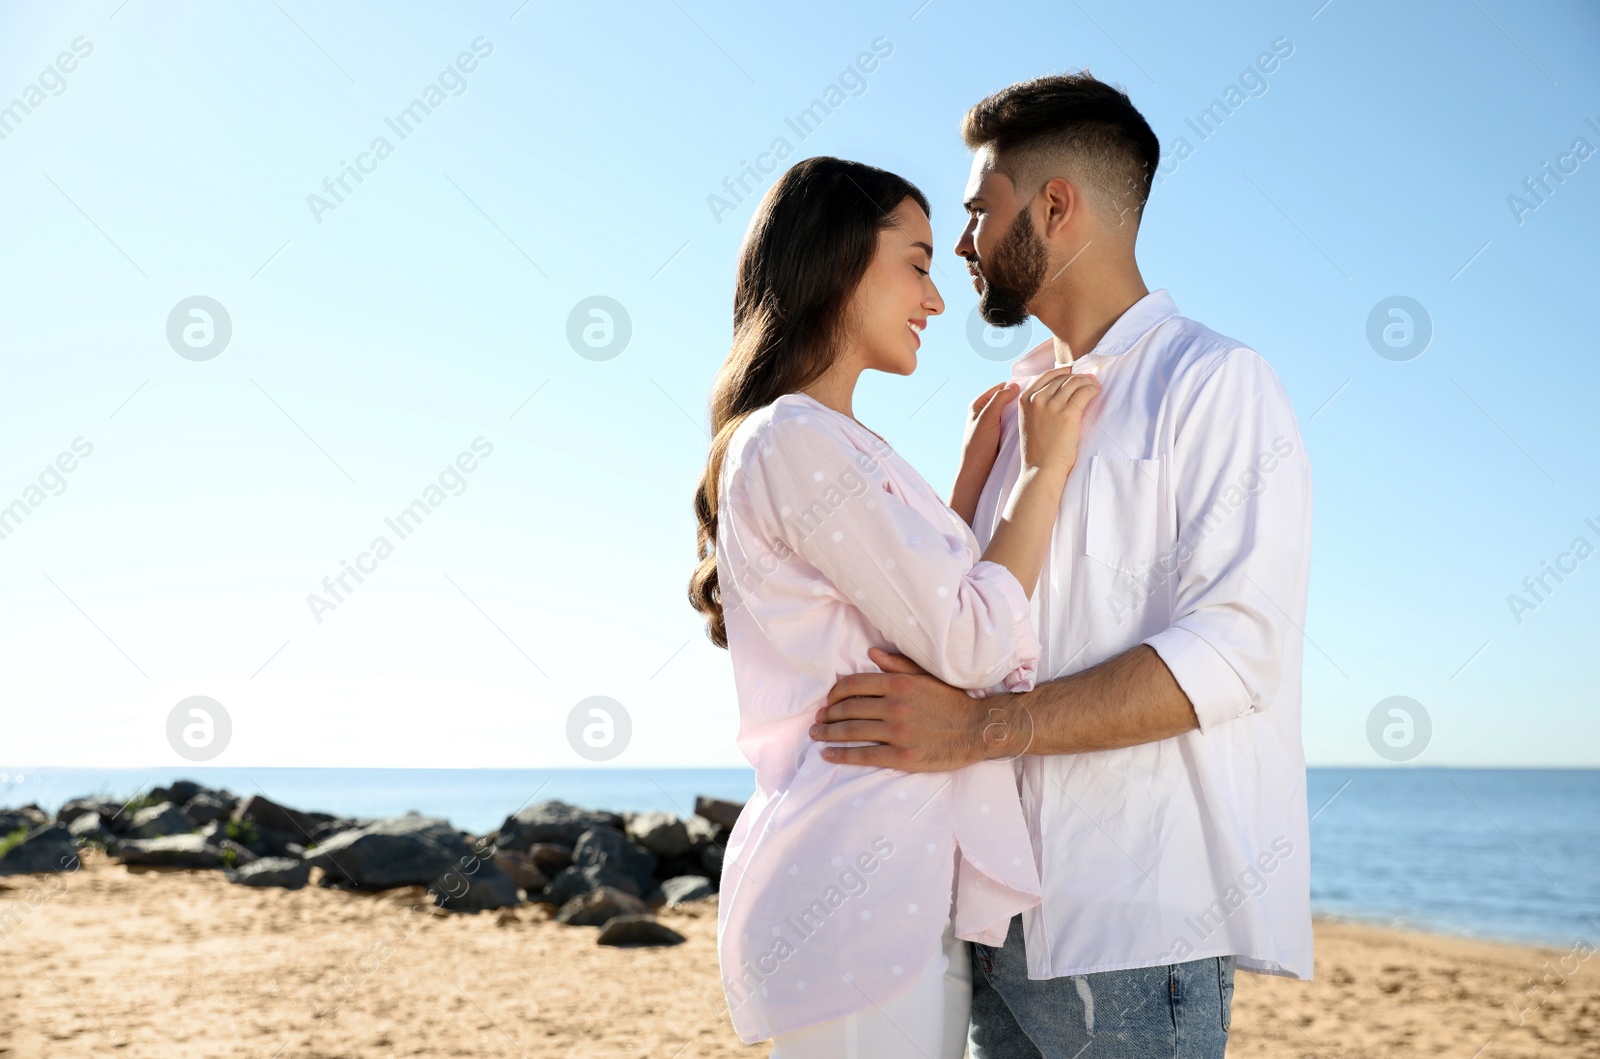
(173, 155)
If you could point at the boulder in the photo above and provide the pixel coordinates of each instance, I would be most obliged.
(550, 857)
(597, 907)
(27, 817)
(170, 851)
(638, 930)
(327, 829)
(87, 827)
(157, 821)
(272, 843)
(242, 855)
(272, 871)
(661, 833)
(718, 810)
(522, 870)
(47, 848)
(414, 851)
(571, 882)
(552, 821)
(205, 807)
(703, 832)
(179, 792)
(77, 807)
(711, 860)
(268, 815)
(686, 888)
(602, 847)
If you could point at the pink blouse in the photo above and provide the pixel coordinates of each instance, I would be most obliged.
(838, 879)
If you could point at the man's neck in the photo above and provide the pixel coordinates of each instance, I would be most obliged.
(1079, 316)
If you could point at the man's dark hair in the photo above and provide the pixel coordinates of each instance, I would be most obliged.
(1037, 128)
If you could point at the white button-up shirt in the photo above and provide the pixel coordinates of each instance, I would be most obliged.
(1185, 525)
(838, 880)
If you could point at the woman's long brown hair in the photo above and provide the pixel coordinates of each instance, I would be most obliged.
(809, 244)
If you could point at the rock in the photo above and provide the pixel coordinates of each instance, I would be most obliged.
(89, 827)
(522, 870)
(269, 815)
(156, 821)
(702, 832)
(273, 871)
(242, 855)
(271, 843)
(552, 822)
(419, 851)
(77, 807)
(686, 888)
(719, 811)
(549, 857)
(205, 807)
(180, 791)
(25, 818)
(597, 907)
(602, 847)
(571, 882)
(711, 860)
(324, 831)
(47, 848)
(170, 851)
(661, 833)
(683, 864)
(638, 930)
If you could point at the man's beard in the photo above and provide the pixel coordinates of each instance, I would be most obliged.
(1013, 274)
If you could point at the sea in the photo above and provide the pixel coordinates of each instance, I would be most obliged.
(1508, 854)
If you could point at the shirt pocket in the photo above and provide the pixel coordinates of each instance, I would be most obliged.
(1122, 528)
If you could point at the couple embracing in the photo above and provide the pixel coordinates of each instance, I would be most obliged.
(1029, 776)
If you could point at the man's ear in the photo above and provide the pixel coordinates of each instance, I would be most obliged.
(1062, 199)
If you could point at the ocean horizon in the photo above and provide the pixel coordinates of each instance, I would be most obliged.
(1502, 854)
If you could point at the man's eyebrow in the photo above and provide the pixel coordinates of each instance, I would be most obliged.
(971, 202)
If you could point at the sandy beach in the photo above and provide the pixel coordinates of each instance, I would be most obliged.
(180, 964)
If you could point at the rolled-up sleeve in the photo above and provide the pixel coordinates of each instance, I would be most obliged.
(1243, 488)
(821, 500)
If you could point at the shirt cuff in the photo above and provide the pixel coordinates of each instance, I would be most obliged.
(1214, 689)
(1020, 612)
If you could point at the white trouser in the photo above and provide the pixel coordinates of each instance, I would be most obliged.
(928, 1021)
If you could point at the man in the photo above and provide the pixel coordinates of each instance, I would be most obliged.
(1161, 768)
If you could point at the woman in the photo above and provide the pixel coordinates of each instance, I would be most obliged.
(849, 893)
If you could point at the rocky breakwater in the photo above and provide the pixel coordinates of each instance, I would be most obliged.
(592, 868)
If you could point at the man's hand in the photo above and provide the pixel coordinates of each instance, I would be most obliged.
(921, 723)
(924, 725)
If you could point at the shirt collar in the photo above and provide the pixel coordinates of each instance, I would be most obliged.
(1142, 317)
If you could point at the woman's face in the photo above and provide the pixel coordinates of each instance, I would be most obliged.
(892, 304)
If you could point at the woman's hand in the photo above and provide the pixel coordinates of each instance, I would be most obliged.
(980, 447)
(1051, 412)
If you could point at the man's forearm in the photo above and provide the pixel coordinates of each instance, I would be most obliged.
(1128, 699)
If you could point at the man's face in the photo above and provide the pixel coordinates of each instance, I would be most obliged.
(1002, 248)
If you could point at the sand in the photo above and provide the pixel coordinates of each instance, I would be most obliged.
(170, 964)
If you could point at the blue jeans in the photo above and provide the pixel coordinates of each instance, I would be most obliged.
(1176, 1011)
